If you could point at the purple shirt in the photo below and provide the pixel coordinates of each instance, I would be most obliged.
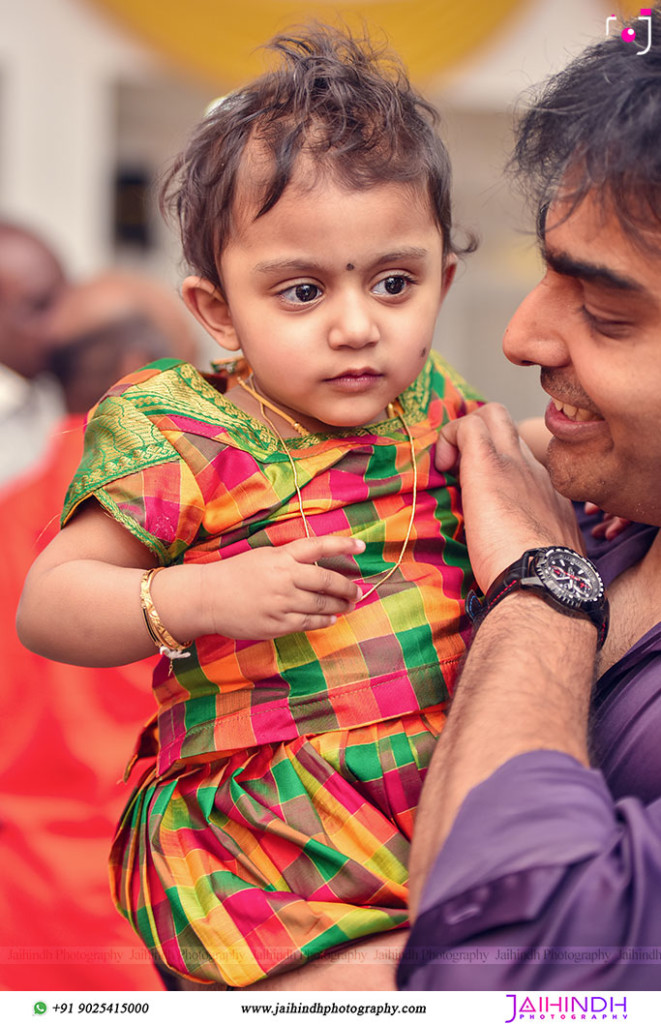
(551, 875)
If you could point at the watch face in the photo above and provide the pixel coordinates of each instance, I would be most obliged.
(572, 579)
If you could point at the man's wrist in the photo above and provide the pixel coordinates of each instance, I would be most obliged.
(534, 670)
(566, 580)
(524, 611)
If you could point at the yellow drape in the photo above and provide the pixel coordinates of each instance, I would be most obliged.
(217, 39)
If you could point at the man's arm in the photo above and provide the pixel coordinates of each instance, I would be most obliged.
(515, 694)
(525, 686)
(532, 876)
(544, 882)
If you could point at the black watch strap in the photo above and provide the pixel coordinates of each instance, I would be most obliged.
(509, 579)
(530, 572)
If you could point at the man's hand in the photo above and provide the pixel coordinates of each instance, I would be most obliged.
(269, 592)
(509, 502)
(526, 681)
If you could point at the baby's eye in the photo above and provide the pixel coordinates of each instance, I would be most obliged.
(394, 284)
(299, 294)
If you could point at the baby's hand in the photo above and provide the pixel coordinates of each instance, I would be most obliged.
(610, 526)
(270, 592)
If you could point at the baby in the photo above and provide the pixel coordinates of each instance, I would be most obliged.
(279, 530)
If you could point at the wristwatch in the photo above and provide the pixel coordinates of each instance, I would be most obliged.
(560, 576)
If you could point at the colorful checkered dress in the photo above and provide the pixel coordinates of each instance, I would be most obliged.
(274, 820)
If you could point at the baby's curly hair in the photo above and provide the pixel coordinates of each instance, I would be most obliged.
(346, 103)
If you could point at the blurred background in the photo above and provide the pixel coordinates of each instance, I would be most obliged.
(96, 97)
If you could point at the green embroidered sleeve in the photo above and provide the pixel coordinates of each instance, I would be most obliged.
(126, 462)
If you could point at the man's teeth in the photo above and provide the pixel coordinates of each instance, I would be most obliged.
(572, 412)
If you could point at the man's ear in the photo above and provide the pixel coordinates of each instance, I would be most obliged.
(449, 270)
(211, 310)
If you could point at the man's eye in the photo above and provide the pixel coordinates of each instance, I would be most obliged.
(301, 293)
(394, 284)
(609, 328)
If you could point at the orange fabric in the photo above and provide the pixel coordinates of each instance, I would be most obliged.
(66, 734)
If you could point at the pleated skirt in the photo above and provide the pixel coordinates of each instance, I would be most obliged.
(251, 864)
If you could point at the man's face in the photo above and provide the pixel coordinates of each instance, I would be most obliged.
(31, 281)
(593, 324)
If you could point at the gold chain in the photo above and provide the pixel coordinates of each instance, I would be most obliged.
(271, 405)
(291, 463)
(392, 413)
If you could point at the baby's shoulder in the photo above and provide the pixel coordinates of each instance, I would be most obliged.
(162, 381)
(440, 394)
(169, 394)
(445, 379)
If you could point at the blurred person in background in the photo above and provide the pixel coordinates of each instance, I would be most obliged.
(68, 730)
(145, 321)
(31, 282)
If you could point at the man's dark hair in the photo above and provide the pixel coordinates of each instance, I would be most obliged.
(597, 126)
(348, 105)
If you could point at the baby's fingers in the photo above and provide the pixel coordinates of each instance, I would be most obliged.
(321, 582)
(312, 603)
(312, 610)
(610, 526)
(615, 527)
(309, 550)
(317, 578)
(308, 622)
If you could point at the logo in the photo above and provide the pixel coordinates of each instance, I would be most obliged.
(629, 34)
(558, 1007)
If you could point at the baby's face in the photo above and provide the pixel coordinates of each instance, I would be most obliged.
(333, 296)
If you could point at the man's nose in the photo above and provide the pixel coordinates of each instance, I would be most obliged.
(536, 332)
(353, 324)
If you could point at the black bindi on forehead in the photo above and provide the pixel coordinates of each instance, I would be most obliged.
(350, 266)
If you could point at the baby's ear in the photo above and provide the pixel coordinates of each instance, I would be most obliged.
(449, 270)
(208, 306)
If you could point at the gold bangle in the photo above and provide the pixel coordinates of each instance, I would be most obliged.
(162, 638)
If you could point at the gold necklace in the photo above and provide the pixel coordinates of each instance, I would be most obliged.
(392, 413)
(271, 405)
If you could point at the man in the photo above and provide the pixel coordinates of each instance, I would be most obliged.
(31, 281)
(536, 863)
(109, 326)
